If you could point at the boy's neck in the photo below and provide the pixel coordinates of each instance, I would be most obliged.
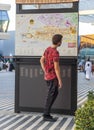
(54, 46)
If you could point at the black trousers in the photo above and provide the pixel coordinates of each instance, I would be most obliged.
(51, 95)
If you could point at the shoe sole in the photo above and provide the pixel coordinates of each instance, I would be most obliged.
(51, 120)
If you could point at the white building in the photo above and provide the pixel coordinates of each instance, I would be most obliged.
(4, 21)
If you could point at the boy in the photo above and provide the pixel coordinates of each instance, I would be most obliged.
(50, 65)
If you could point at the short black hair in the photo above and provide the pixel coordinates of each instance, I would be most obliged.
(56, 38)
(88, 59)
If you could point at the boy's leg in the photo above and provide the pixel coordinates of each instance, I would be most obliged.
(52, 94)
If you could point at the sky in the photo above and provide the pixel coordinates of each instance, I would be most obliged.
(84, 28)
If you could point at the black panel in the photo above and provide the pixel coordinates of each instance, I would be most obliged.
(32, 93)
(30, 89)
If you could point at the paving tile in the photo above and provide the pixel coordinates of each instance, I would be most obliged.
(33, 121)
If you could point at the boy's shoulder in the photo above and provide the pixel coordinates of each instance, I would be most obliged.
(51, 50)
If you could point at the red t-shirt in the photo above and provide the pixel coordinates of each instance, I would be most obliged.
(51, 55)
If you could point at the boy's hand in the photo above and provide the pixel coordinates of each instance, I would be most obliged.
(60, 84)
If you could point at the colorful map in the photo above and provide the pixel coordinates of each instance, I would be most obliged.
(34, 33)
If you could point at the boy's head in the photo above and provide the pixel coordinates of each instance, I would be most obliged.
(57, 39)
(88, 59)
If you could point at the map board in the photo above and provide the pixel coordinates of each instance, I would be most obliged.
(34, 33)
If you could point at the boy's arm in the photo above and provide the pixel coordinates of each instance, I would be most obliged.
(57, 70)
(42, 62)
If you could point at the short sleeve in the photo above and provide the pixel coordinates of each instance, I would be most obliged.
(46, 52)
(56, 56)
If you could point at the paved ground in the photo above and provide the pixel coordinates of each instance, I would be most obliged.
(33, 121)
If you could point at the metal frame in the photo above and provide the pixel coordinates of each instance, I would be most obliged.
(27, 60)
(21, 60)
(65, 10)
